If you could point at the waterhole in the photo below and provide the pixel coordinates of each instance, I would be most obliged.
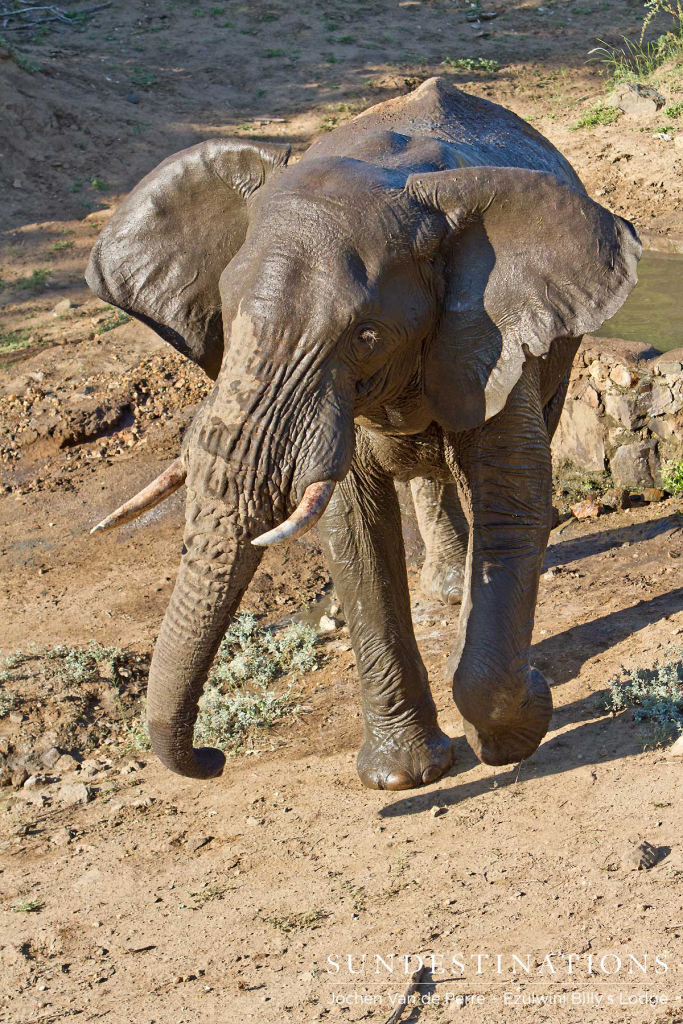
(653, 312)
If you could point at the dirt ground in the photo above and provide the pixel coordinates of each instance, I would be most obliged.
(163, 900)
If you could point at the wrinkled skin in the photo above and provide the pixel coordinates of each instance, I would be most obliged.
(403, 303)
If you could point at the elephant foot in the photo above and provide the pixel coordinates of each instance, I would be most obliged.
(513, 742)
(404, 757)
(442, 583)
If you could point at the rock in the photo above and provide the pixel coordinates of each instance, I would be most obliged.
(623, 408)
(132, 97)
(75, 793)
(642, 856)
(653, 494)
(636, 465)
(50, 757)
(669, 369)
(33, 781)
(253, 822)
(62, 307)
(436, 812)
(590, 396)
(328, 625)
(622, 376)
(66, 763)
(579, 437)
(587, 509)
(616, 498)
(19, 777)
(17, 717)
(636, 100)
(677, 748)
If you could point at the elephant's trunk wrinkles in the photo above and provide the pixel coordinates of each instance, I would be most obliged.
(218, 564)
(166, 484)
(309, 510)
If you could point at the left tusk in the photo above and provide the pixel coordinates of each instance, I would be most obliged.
(166, 484)
(307, 513)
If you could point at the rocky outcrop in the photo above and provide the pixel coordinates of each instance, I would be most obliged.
(624, 411)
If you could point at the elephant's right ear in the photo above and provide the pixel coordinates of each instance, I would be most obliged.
(523, 258)
(162, 253)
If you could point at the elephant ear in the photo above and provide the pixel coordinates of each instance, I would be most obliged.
(525, 259)
(162, 253)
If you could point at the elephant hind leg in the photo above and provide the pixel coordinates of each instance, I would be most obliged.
(445, 532)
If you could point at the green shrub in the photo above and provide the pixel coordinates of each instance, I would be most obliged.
(655, 694)
(672, 477)
(470, 64)
(237, 699)
(599, 114)
(675, 110)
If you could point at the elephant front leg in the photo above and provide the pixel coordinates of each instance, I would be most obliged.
(506, 475)
(361, 532)
(445, 532)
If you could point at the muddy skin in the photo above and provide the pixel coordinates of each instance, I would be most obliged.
(404, 303)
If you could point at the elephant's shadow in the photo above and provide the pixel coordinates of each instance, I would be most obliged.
(564, 752)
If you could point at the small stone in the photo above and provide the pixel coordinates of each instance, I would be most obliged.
(436, 812)
(616, 498)
(50, 757)
(33, 781)
(252, 822)
(17, 717)
(588, 509)
(642, 856)
(75, 793)
(18, 183)
(621, 376)
(66, 763)
(653, 494)
(328, 625)
(62, 307)
(19, 777)
(132, 97)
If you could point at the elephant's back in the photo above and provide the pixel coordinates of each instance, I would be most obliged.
(438, 127)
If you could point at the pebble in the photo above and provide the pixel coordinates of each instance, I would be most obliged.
(50, 757)
(251, 821)
(132, 97)
(17, 717)
(653, 494)
(63, 306)
(328, 625)
(436, 812)
(641, 856)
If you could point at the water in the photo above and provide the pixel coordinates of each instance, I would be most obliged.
(652, 313)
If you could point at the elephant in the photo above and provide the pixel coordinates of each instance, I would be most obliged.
(402, 303)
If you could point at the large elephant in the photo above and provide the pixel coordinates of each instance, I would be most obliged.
(403, 303)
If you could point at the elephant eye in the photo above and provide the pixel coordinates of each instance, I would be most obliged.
(368, 336)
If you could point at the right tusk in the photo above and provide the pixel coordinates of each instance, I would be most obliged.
(163, 487)
(309, 510)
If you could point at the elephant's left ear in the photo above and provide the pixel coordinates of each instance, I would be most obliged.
(524, 259)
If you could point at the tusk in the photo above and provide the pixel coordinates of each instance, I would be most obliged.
(163, 487)
(305, 515)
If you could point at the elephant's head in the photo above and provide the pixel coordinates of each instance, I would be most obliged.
(317, 295)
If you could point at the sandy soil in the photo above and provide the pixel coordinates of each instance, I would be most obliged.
(163, 900)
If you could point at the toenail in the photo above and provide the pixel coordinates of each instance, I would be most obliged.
(399, 780)
(431, 774)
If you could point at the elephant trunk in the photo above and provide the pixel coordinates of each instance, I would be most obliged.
(217, 566)
(246, 468)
